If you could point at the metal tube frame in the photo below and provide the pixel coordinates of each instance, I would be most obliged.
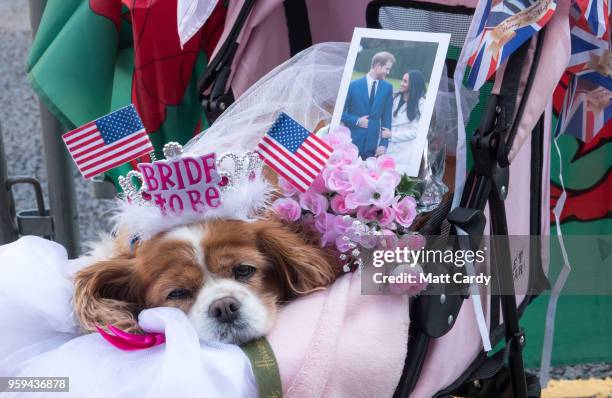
(8, 229)
(62, 195)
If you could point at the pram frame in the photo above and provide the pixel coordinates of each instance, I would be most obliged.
(487, 182)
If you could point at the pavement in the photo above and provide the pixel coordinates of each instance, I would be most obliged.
(20, 121)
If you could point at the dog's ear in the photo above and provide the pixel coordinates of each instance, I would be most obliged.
(301, 267)
(105, 294)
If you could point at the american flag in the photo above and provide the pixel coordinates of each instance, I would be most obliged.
(108, 142)
(293, 152)
(517, 21)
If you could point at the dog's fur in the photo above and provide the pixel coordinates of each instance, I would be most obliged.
(197, 266)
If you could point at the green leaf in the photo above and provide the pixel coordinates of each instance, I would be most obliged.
(408, 186)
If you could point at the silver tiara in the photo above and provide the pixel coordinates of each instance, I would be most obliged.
(234, 169)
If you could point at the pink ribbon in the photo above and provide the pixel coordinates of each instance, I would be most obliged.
(129, 341)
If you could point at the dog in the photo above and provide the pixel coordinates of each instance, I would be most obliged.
(228, 276)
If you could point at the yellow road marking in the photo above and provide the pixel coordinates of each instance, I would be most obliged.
(598, 388)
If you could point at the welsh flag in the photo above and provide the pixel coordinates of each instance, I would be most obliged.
(91, 57)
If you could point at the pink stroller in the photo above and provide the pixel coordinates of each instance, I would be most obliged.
(509, 141)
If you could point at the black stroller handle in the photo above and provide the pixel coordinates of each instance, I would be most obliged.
(487, 183)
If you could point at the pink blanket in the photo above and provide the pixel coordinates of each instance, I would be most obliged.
(338, 343)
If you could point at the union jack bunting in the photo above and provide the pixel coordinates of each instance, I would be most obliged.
(504, 26)
(595, 16)
(590, 54)
(583, 97)
(586, 109)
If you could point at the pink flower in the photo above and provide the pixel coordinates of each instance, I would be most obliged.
(413, 284)
(287, 209)
(388, 239)
(340, 135)
(380, 164)
(344, 225)
(344, 154)
(372, 191)
(386, 216)
(313, 202)
(405, 211)
(324, 223)
(287, 189)
(338, 206)
(318, 185)
(367, 213)
(385, 162)
(338, 179)
(412, 241)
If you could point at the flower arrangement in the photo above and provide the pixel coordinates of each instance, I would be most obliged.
(354, 203)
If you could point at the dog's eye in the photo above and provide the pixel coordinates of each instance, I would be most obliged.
(179, 294)
(243, 271)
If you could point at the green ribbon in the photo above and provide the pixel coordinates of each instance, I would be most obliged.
(264, 367)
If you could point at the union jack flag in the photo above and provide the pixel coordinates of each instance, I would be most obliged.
(595, 16)
(293, 152)
(582, 97)
(586, 109)
(505, 25)
(588, 50)
(108, 142)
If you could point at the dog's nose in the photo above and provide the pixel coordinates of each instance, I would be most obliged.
(224, 309)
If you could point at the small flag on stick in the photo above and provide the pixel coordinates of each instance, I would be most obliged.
(108, 142)
(293, 152)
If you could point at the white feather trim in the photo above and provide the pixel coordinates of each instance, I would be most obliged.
(245, 202)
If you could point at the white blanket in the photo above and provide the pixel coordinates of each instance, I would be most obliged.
(39, 337)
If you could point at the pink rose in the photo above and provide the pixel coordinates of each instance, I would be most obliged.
(287, 189)
(388, 239)
(313, 202)
(344, 154)
(318, 185)
(324, 223)
(405, 211)
(338, 206)
(338, 179)
(338, 136)
(344, 225)
(287, 209)
(367, 213)
(413, 284)
(413, 241)
(385, 162)
(386, 216)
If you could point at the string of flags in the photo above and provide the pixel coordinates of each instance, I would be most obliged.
(504, 26)
(583, 97)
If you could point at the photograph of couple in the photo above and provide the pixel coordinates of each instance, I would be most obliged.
(386, 101)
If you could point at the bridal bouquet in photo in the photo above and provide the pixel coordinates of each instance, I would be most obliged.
(354, 204)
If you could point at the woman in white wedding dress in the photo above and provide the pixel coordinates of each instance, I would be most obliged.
(407, 108)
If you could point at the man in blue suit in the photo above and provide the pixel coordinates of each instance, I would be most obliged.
(368, 107)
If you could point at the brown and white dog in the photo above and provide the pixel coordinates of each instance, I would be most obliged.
(228, 276)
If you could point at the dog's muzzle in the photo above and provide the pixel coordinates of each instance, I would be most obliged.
(225, 310)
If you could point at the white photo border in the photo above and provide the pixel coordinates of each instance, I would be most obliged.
(442, 39)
